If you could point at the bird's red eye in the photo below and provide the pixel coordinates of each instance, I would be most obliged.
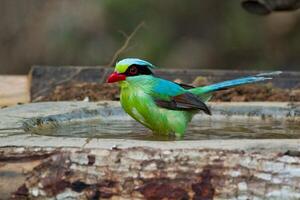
(133, 70)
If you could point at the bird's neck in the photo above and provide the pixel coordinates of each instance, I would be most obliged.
(137, 82)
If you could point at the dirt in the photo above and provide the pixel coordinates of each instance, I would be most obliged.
(81, 91)
(263, 92)
(251, 92)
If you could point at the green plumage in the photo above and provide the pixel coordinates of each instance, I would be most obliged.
(161, 105)
(137, 99)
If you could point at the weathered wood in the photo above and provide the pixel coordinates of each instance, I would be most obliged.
(42, 167)
(45, 79)
(146, 173)
(13, 89)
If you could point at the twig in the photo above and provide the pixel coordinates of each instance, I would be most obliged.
(123, 33)
(125, 45)
(38, 97)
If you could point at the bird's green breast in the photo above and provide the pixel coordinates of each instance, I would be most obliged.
(137, 101)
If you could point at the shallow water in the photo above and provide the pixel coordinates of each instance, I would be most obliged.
(255, 129)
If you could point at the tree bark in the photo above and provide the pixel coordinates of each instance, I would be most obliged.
(150, 173)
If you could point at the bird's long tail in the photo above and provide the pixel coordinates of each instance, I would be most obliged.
(205, 92)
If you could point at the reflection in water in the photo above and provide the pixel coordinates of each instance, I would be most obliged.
(197, 130)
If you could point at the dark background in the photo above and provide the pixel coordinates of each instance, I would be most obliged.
(177, 34)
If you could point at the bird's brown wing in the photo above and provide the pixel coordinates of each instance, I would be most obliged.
(185, 86)
(186, 101)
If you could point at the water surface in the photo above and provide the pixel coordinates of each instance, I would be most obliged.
(208, 129)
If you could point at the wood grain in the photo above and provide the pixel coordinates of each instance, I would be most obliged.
(36, 166)
(147, 173)
(13, 89)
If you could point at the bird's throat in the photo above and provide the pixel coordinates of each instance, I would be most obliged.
(123, 84)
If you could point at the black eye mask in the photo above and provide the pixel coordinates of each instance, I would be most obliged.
(135, 70)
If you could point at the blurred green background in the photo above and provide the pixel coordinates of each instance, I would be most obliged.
(177, 34)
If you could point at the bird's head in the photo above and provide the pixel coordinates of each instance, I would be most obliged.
(130, 67)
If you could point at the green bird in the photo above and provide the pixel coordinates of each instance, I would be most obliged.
(161, 105)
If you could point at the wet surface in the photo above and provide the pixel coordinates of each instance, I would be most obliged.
(206, 129)
(107, 120)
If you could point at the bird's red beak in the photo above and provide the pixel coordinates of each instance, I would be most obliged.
(115, 77)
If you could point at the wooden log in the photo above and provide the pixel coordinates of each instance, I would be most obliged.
(13, 89)
(45, 79)
(41, 167)
(143, 172)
